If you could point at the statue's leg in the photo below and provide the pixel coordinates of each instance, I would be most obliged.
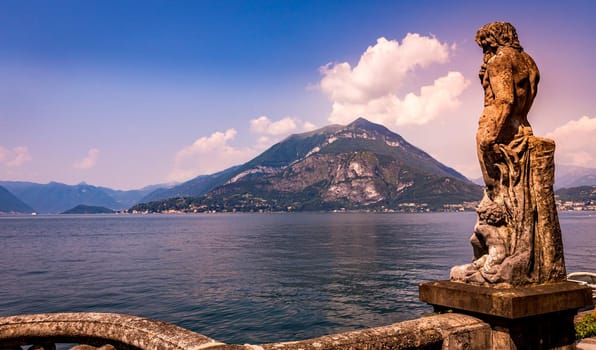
(479, 246)
(486, 158)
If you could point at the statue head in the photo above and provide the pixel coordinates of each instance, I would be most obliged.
(493, 35)
(491, 213)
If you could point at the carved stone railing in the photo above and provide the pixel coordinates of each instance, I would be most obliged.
(97, 329)
(441, 332)
(107, 331)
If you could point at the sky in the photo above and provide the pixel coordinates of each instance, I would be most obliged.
(126, 94)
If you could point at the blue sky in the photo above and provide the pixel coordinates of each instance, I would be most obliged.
(126, 94)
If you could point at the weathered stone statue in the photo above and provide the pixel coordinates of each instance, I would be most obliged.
(517, 238)
(516, 281)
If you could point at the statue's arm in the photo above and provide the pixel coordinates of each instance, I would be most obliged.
(500, 72)
(534, 77)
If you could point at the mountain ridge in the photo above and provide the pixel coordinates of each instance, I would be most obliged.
(281, 167)
(55, 197)
(360, 165)
(9, 203)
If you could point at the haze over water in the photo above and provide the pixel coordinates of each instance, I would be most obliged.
(245, 278)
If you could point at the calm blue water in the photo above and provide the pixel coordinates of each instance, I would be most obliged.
(243, 278)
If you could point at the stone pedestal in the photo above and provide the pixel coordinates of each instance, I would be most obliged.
(532, 317)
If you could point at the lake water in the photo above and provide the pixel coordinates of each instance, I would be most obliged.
(245, 278)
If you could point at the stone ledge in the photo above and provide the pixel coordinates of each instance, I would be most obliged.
(124, 332)
(107, 328)
(446, 331)
(510, 303)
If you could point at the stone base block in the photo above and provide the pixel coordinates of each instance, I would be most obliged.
(508, 303)
(532, 317)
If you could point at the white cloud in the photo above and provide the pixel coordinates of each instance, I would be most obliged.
(209, 154)
(370, 88)
(213, 153)
(264, 125)
(575, 142)
(285, 126)
(273, 131)
(89, 161)
(15, 157)
(308, 126)
(412, 109)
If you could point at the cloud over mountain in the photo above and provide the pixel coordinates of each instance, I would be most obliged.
(371, 88)
(89, 161)
(209, 154)
(575, 142)
(15, 157)
(285, 126)
(270, 131)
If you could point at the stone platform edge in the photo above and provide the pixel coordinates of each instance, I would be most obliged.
(511, 303)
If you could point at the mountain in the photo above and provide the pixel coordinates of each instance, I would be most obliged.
(567, 176)
(9, 203)
(359, 166)
(88, 209)
(195, 187)
(585, 194)
(57, 197)
(279, 155)
(126, 199)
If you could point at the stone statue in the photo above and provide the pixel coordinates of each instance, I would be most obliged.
(517, 238)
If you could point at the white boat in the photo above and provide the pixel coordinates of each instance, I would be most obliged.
(585, 278)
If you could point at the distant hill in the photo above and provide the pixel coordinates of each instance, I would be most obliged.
(56, 197)
(126, 199)
(88, 209)
(9, 203)
(198, 186)
(400, 173)
(358, 166)
(568, 176)
(577, 194)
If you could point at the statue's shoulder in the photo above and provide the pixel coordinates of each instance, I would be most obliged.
(507, 57)
(502, 59)
(507, 53)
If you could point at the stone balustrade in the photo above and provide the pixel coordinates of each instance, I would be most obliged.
(97, 329)
(107, 331)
